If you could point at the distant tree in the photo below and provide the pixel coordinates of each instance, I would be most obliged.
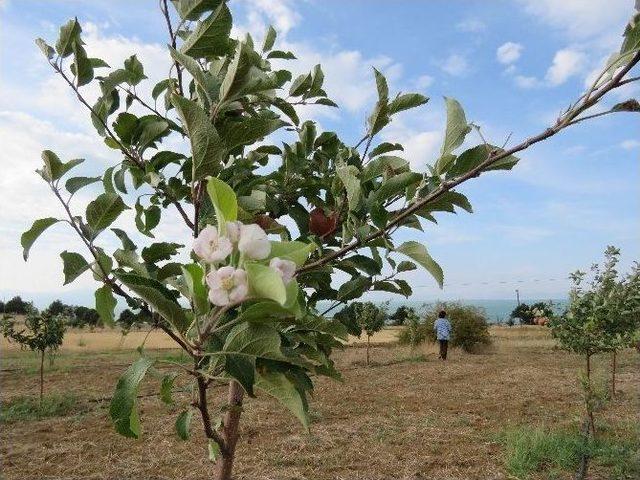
(399, 317)
(129, 319)
(362, 317)
(2, 306)
(84, 316)
(57, 308)
(528, 313)
(43, 333)
(19, 307)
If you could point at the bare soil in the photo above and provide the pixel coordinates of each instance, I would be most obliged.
(408, 416)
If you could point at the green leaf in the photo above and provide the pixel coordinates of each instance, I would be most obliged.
(74, 266)
(69, 35)
(193, 9)
(246, 342)
(82, 65)
(406, 266)
(265, 282)
(76, 183)
(224, 200)
(348, 175)
(207, 148)
(54, 168)
(166, 388)
(123, 409)
(631, 41)
(393, 186)
(249, 130)
(286, 108)
(45, 48)
(183, 422)
(104, 210)
(269, 39)
(135, 70)
(106, 304)
(418, 252)
(385, 147)
(194, 279)
(300, 85)
(472, 158)
(457, 127)
(210, 38)
(127, 244)
(353, 288)
(30, 236)
(280, 387)
(282, 55)
(159, 251)
(296, 251)
(381, 85)
(203, 79)
(158, 297)
(406, 102)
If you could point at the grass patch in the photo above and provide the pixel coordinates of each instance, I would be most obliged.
(26, 408)
(553, 454)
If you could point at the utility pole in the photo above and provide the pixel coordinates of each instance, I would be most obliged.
(518, 296)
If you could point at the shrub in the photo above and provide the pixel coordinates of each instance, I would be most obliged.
(399, 317)
(470, 326)
(415, 332)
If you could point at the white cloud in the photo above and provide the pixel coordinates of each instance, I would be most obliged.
(423, 82)
(455, 65)
(509, 52)
(471, 25)
(526, 82)
(566, 63)
(581, 19)
(630, 144)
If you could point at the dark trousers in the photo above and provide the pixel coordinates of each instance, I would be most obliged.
(444, 346)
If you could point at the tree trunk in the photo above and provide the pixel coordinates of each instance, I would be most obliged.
(583, 466)
(41, 376)
(613, 373)
(231, 422)
(368, 347)
(588, 400)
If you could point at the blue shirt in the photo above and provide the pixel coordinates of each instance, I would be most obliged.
(442, 328)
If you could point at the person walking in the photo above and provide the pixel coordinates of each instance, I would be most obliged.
(442, 327)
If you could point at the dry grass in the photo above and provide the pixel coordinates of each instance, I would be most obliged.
(400, 418)
(101, 340)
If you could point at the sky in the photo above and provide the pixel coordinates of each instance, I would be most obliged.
(514, 65)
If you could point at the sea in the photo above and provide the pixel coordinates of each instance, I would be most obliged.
(497, 311)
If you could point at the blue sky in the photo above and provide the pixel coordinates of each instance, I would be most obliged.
(512, 64)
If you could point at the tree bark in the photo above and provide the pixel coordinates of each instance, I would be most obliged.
(588, 400)
(613, 373)
(231, 423)
(368, 347)
(41, 376)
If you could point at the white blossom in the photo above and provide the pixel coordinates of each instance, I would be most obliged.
(227, 285)
(286, 268)
(212, 247)
(254, 243)
(233, 231)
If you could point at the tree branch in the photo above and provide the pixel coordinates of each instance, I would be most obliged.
(492, 158)
(167, 18)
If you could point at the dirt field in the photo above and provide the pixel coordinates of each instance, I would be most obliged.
(400, 418)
